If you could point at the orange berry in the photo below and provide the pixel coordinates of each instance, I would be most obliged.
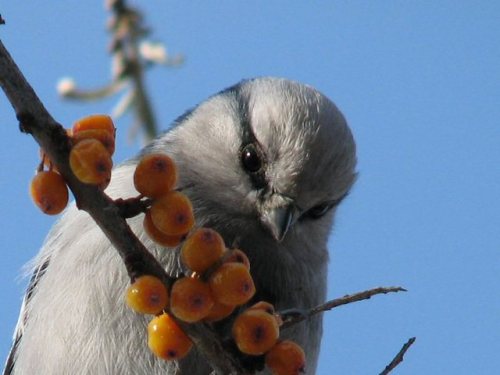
(49, 192)
(191, 299)
(232, 284)
(91, 162)
(172, 213)
(147, 295)
(268, 308)
(218, 312)
(101, 135)
(286, 358)
(95, 122)
(264, 306)
(157, 235)
(155, 175)
(166, 339)
(238, 256)
(202, 249)
(255, 332)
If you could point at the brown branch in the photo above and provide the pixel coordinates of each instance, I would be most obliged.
(51, 136)
(296, 316)
(399, 357)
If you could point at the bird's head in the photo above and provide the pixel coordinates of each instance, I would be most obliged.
(267, 155)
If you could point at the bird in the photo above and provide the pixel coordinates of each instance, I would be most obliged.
(266, 163)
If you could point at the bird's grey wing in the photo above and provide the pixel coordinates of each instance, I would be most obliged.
(23, 315)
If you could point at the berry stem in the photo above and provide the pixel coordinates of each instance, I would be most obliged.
(132, 207)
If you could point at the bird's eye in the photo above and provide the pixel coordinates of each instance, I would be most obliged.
(250, 158)
(321, 209)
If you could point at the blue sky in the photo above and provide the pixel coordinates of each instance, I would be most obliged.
(419, 83)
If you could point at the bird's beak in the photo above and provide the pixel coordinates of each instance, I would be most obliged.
(278, 215)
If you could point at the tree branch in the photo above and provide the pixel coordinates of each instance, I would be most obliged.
(295, 316)
(399, 357)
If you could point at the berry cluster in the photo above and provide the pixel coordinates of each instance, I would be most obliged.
(93, 144)
(216, 280)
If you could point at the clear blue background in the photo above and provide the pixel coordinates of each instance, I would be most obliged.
(419, 83)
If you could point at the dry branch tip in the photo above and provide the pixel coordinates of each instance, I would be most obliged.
(399, 357)
(290, 319)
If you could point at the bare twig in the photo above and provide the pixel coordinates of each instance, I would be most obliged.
(127, 33)
(51, 136)
(131, 56)
(399, 357)
(296, 316)
(67, 88)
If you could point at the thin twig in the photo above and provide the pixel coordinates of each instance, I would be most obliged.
(399, 357)
(296, 316)
(68, 89)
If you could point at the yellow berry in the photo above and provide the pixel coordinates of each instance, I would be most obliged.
(238, 256)
(103, 122)
(286, 358)
(147, 295)
(166, 339)
(218, 312)
(268, 308)
(255, 332)
(157, 235)
(155, 175)
(49, 192)
(202, 249)
(172, 213)
(264, 306)
(101, 135)
(91, 162)
(191, 299)
(232, 284)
